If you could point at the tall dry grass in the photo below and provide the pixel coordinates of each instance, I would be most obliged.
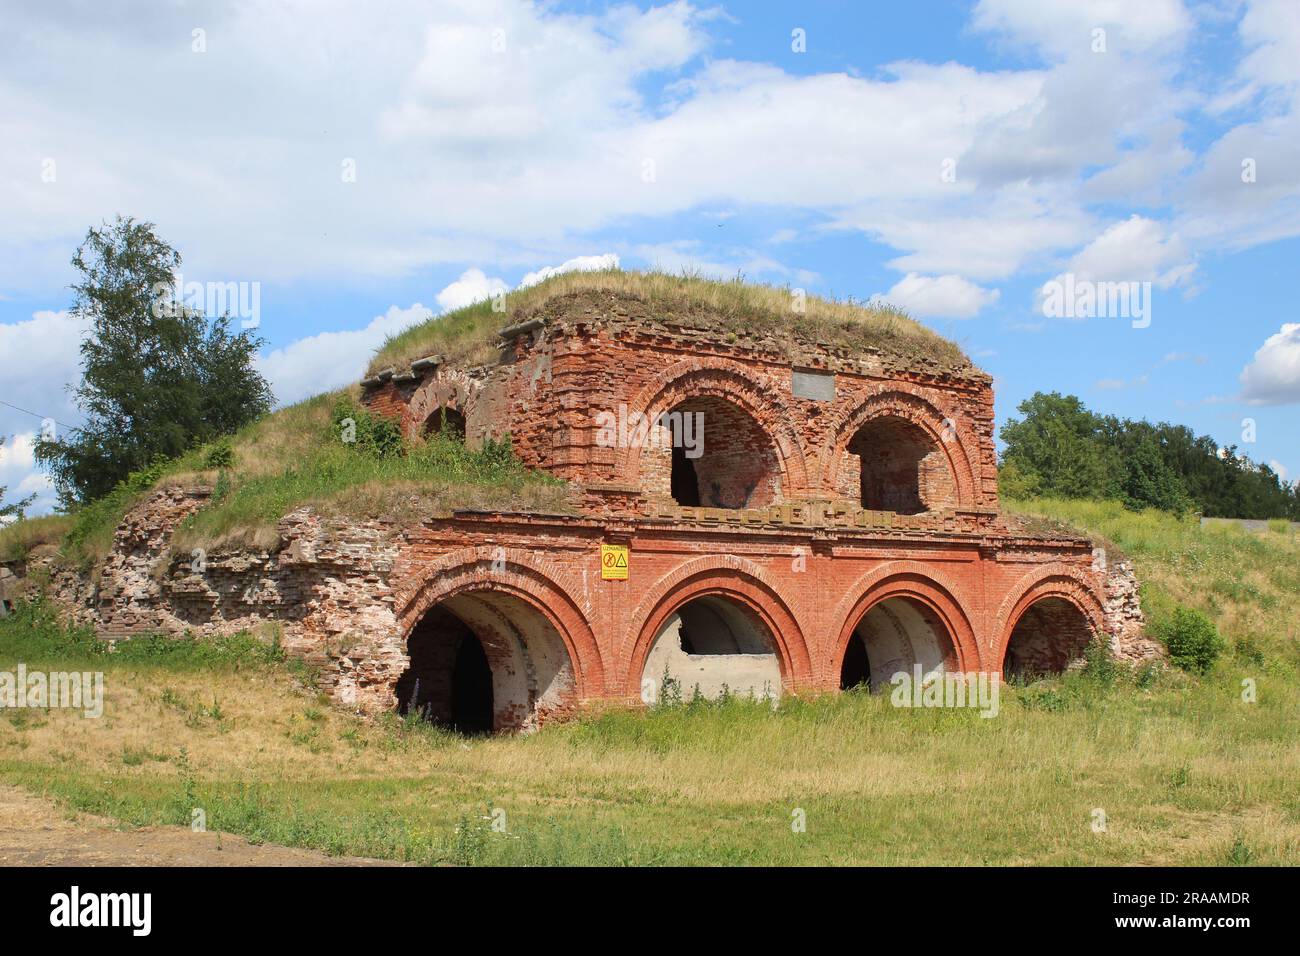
(468, 336)
(18, 538)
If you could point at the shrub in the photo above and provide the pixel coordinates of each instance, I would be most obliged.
(1147, 675)
(1017, 482)
(375, 435)
(220, 455)
(1193, 641)
(1248, 652)
(1099, 663)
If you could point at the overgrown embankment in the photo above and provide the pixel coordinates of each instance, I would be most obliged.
(1247, 583)
(297, 456)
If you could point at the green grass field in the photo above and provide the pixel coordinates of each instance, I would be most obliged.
(1181, 769)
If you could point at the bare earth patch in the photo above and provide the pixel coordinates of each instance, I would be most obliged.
(35, 831)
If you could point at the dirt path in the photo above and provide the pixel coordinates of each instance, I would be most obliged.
(35, 831)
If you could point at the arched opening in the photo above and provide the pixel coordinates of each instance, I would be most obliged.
(899, 468)
(709, 452)
(1050, 634)
(485, 661)
(895, 636)
(445, 421)
(714, 645)
(449, 681)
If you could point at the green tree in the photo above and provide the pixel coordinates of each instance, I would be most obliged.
(1058, 446)
(1150, 483)
(158, 377)
(1193, 640)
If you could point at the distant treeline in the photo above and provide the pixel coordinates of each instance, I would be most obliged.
(1059, 448)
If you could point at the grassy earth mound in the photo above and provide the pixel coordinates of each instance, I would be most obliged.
(468, 336)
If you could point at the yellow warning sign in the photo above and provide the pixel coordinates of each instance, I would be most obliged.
(613, 562)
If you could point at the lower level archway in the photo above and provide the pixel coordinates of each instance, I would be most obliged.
(894, 636)
(1050, 634)
(713, 645)
(485, 661)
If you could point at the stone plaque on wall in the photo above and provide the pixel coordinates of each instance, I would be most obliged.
(818, 386)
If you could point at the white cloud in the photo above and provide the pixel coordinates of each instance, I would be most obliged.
(19, 477)
(319, 363)
(41, 357)
(515, 140)
(472, 286)
(514, 126)
(1064, 29)
(1135, 250)
(1270, 30)
(519, 126)
(1273, 376)
(942, 297)
(1247, 190)
(578, 264)
(981, 237)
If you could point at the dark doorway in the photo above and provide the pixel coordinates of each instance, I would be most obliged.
(447, 422)
(471, 689)
(721, 457)
(449, 681)
(685, 483)
(856, 669)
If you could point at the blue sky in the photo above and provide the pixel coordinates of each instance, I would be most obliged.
(950, 157)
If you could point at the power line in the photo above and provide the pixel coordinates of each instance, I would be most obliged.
(26, 411)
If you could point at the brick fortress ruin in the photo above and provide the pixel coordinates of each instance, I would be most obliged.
(838, 522)
(834, 522)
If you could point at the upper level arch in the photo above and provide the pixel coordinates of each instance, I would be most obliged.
(897, 451)
(750, 454)
(446, 399)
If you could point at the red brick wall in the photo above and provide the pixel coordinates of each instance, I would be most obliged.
(810, 586)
